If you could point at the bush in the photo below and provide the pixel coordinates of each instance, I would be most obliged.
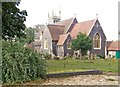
(56, 58)
(47, 56)
(21, 64)
(100, 56)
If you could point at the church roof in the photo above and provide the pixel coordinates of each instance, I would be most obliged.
(59, 28)
(62, 39)
(56, 31)
(84, 27)
(66, 23)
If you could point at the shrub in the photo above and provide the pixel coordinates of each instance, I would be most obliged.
(21, 64)
(47, 56)
(100, 56)
(56, 58)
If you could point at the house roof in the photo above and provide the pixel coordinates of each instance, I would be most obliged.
(56, 31)
(113, 45)
(62, 39)
(84, 27)
(37, 43)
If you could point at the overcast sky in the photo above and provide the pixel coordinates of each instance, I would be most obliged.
(107, 11)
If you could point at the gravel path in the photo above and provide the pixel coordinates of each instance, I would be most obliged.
(83, 80)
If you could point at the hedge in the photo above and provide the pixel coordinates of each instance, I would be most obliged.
(20, 64)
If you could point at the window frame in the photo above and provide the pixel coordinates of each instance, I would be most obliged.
(45, 44)
(94, 41)
(69, 44)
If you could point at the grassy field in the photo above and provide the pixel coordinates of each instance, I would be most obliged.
(55, 66)
(107, 65)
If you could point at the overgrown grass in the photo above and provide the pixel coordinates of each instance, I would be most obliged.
(106, 65)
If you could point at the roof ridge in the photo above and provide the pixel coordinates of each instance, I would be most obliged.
(56, 25)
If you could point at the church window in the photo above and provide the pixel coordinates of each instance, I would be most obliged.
(97, 41)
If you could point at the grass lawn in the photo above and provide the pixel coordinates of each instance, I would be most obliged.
(106, 65)
(55, 66)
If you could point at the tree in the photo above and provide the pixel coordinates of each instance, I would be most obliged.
(82, 42)
(12, 21)
(30, 35)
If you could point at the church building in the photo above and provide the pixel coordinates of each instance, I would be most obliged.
(57, 35)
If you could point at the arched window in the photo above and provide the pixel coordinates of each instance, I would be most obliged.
(45, 44)
(68, 44)
(97, 41)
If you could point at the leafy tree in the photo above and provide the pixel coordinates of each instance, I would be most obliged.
(82, 42)
(12, 21)
(29, 34)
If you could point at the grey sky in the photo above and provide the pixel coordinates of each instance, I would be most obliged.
(107, 11)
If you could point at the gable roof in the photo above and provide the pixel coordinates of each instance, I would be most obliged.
(114, 45)
(62, 39)
(67, 23)
(56, 31)
(84, 27)
(59, 28)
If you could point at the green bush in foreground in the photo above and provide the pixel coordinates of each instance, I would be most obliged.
(20, 64)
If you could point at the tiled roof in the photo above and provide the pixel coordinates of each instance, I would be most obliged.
(62, 39)
(56, 31)
(83, 27)
(66, 23)
(114, 45)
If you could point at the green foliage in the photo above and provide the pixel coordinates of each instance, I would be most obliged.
(100, 56)
(21, 64)
(56, 58)
(47, 56)
(30, 35)
(82, 42)
(12, 21)
(67, 57)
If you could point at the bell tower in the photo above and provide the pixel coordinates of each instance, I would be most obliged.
(54, 18)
